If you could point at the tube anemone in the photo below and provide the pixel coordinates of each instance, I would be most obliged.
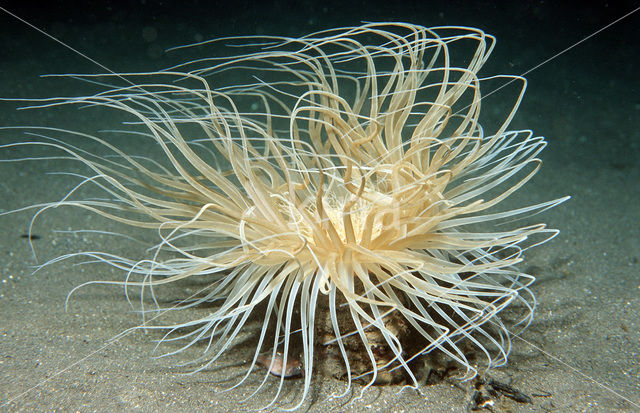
(339, 187)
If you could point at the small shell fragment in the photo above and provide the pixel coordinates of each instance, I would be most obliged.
(276, 366)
